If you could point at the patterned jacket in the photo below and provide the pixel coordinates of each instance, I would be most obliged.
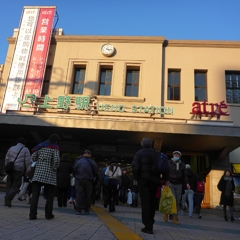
(23, 160)
(47, 161)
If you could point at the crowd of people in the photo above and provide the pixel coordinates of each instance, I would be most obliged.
(81, 183)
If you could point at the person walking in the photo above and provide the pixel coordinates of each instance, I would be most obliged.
(189, 192)
(227, 187)
(199, 193)
(46, 156)
(177, 179)
(125, 185)
(86, 170)
(20, 155)
(113, 172)
(64, 172)
(148, 182)
(104, 179)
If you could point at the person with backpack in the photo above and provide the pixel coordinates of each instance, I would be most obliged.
(227, 187)
(198, 194)
(148, 182)
(113, 172)
(188, 195)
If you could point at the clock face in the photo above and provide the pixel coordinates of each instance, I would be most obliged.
(107, 49)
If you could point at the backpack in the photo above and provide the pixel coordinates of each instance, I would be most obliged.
(200, 187)
(162, 165)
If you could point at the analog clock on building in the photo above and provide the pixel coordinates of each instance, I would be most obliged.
(107, 49)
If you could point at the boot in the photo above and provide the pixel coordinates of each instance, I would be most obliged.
(165, 217)
(175, 220)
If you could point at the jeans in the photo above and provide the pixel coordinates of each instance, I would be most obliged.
(188, 196)
(177, 192)
(14, 181)
(84, 188)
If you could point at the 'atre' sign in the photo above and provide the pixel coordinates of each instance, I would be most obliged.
(210, 109)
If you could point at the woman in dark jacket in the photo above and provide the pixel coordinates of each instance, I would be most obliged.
(63, 180)
(227, 187)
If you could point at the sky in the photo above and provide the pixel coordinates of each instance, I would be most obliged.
(172, 19)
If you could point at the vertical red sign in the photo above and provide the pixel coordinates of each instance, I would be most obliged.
(37, 64)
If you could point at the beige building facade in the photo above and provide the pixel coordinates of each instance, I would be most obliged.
(181, 94)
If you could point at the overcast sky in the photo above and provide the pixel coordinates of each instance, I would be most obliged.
(172, 19)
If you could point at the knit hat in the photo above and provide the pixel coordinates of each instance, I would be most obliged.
(177, 152)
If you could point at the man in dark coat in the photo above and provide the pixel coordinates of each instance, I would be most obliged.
(148, 182)
(86, 170)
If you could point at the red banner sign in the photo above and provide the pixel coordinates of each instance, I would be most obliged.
(35, 74)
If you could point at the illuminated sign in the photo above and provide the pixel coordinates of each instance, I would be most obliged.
(82, 103)
(210, 109)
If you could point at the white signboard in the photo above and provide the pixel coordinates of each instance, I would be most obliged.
(16, 80)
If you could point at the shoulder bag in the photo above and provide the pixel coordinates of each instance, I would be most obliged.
(10, 165)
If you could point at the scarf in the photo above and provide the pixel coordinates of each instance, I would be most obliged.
(228, 189)
(47, 144)
(177, 163)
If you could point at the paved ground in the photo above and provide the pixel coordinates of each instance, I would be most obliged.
(125, 223)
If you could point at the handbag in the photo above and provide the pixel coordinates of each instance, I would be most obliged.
(10, 165)
(167, 202)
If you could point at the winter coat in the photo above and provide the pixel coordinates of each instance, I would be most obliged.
(85, 168)
(23, 160)
(47, 161)
(225, 200)
(125, 181)
(180, 176)
(191, 180)
(142, 165)
(63, 174)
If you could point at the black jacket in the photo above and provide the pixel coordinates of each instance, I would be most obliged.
(224, 200)
(142, 165)
(63, 174)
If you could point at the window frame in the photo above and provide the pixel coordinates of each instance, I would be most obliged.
(175, 86)
(199, 87)
(105, 83)
(132, 84)
(233, 89)
(80, 81)
(46, 81)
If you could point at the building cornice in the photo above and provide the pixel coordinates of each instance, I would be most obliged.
(202, 43)
(120, 39)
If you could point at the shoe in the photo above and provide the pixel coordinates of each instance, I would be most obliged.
(86, 213)
(232, 219)
(79, 213)
(8, 201)
(199, 216)
(50, 217)
(165, 217)
(33, 218)
(175, 220)
(170, 217)
(226, 219)
(105, 205)
(147, 231)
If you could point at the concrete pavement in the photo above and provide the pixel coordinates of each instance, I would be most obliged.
(125, 223)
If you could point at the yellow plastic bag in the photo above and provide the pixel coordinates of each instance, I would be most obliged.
(167, 202)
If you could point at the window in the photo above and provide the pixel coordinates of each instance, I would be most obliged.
(173, 85)
(232, 79)
(79, 77)
(132, 82)
(200, 80)
(46, 80)
(105, 81)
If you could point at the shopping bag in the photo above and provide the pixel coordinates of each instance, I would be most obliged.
(129, 198)
(167, 202)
